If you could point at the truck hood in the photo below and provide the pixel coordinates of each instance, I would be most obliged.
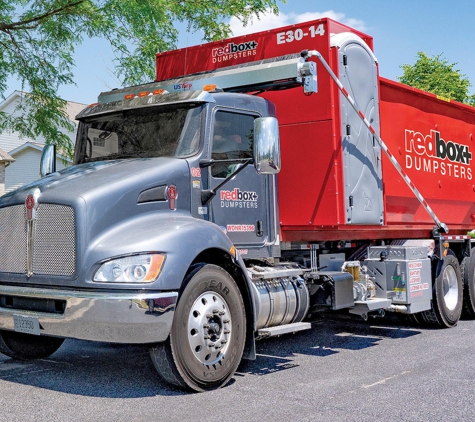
(106, 199)
(101, 179)
(107, 193)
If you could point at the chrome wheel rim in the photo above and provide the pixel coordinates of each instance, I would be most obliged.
(450, 287)
(209, 328)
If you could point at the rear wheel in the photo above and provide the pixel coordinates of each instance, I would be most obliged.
(447, 292)
(468, 275)
(207, 338)
(26, 346)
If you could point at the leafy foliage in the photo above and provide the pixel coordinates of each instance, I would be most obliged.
(438, 76)
(38, 38)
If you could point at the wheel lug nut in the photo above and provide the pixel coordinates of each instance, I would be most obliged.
(226, 321)
(222, 313)
(226, 331)
(206, 326)
(209, 315)
(211, 345)
(215, 311)
(224, 341)
(206, 337)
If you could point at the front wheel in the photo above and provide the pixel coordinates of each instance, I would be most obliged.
(447, 293)
(207, 338)
(26, 346)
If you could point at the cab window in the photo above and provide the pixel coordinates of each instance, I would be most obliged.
(232, 139)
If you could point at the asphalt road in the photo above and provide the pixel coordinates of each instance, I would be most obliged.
(341, 370)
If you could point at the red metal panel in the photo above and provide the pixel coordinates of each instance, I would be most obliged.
(310, 185)
(432, 139)
(294, 107)
(414, 125)
(291, 39)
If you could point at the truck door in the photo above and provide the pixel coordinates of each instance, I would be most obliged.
(361, 152)
(241, 205)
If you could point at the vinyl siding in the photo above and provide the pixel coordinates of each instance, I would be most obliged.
(2, 178)
(10, 140)
(25, 169)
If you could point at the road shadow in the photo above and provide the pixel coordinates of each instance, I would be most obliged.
(125, 371)
(91, 369)
(328, 336)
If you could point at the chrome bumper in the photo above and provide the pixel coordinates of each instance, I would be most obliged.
(110, 317)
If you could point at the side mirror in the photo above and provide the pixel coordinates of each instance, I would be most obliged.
(266, 145)
(48, 160)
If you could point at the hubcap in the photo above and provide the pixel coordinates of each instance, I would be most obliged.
(450, 287)
(209, 328)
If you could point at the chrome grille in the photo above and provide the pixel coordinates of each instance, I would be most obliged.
(13, 239)
(54, 240)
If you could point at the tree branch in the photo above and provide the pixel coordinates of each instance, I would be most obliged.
(37, 19)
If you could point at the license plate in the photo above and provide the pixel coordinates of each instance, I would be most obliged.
(26, 324)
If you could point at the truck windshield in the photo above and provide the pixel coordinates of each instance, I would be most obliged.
(139, 133)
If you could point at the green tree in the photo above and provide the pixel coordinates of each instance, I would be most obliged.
(38, 39)
(438, 76)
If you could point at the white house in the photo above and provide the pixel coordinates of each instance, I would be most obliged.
(5, 161)
(23, 163)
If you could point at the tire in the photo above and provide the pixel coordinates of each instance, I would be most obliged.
(207, 337)
(415, 319)
(23, 346)
(447, 293)
(468, 276)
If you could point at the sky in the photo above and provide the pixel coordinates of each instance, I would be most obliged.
(400, 29)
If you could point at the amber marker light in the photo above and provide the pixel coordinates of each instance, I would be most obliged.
(155, 267)
(446, 248)
(209, 87)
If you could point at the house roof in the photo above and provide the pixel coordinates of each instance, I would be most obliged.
(5, 157)
(72, 108)
(36, 146)
(11, 97)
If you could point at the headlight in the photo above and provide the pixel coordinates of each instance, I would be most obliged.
(131, 269)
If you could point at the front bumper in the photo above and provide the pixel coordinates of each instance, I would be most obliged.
(100, 316)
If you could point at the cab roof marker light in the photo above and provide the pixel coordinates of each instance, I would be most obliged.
(159, 92)
(144, 94)
(92, 105)
(129, 96)
(210, 87)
